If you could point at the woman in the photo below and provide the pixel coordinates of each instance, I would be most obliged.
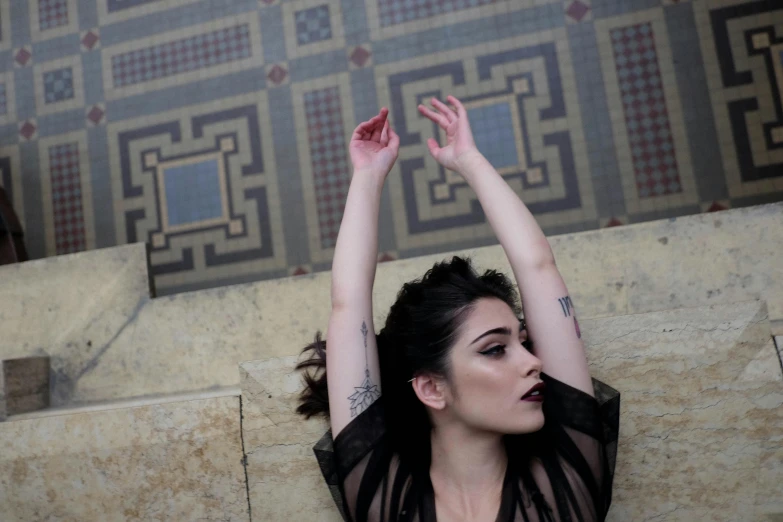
(468, 427)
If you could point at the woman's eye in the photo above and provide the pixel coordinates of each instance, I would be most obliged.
(495, 350)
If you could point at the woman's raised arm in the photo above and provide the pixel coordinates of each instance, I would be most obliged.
(353, 375)
(549, 311)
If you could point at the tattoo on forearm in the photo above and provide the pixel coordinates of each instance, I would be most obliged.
(568, 310)
(368, 392)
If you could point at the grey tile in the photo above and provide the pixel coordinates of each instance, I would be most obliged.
(61, 122)
(697, 109)
(92, 72)
(102, 200)
(20, 24)
(33, 207)
(272, 33)
(88, 14)
(315, 66)
(56, 48)
(607, 8)
(24, 93)
(288, 177)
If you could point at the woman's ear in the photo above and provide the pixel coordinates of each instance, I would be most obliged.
(430, 390)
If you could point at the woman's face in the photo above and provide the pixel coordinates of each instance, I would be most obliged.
(491, 371)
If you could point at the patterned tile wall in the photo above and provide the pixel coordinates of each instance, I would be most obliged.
(216, 131)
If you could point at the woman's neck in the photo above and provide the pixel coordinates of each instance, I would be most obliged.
(466, 464)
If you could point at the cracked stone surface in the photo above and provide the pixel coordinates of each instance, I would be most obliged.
(174, 461)
(284, 480)
(701, 426)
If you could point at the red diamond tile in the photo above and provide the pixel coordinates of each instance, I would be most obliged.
(716, 207)
(299, 271)
(23, 56)
(277, 74)
(95, 115)
(577, 10)
(27, 130)
(614, 222)
(90, 39)
(359, 56)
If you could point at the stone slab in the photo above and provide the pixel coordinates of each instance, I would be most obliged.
(25, 384)
(701, 426)
(109, 340)
(159, 462)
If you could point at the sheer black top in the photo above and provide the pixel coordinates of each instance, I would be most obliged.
(563, 472)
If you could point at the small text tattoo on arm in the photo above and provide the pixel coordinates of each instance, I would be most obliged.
(568, 310)
(368, 392)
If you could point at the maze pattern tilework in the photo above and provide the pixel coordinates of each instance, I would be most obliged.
(216, 131)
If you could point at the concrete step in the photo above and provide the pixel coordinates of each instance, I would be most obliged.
(107, 339)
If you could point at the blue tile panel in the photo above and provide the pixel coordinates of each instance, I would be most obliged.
(193, 192)
(58, 85)
(313, 25)
(52, 13)
(394, 12)
(493, 130)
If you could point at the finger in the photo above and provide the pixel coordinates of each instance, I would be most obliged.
(444, 109)
(434, 148)
(394, 140)
(385, 134)
(458, 104)
(368, 127)
(434, 116)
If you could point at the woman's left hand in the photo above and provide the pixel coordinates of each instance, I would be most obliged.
(374, 145)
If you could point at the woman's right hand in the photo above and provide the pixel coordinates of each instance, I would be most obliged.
(459, 137)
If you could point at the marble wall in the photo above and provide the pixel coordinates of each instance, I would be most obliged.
(156, 462)
(108, 339)
(701, 424)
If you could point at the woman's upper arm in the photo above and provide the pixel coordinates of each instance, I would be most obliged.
(352, 371)
(553, 327)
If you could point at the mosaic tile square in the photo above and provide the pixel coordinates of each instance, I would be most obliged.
(58, 85)
(52, 18)
(493, 128)
(313, 25)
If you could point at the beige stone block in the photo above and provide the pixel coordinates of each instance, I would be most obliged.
(701, 422)
(284, 480)
(72, 308)
(174, 461)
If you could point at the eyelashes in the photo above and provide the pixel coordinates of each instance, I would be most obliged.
(501, 348)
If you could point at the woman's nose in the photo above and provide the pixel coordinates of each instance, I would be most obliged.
(531, 365)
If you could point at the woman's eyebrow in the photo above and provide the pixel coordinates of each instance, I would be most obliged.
(500, 330)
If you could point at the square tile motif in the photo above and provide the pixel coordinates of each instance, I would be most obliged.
(58, 85)
(394, 12)
(192, 192)
(313, 25)
(52, 13)
(199, 184)
(66, 186)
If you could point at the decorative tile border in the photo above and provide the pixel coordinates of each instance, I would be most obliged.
(631, 145)
(533, 76)
(46, 106)
(11, 178)
(45, 24)
(248, 237)
(323, 157)
(742, 44)
(296, 49)
(8, 111)
(136, 67)
(66, 193)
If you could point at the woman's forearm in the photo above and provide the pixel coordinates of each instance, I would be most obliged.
(356, 251)
(515, 227)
